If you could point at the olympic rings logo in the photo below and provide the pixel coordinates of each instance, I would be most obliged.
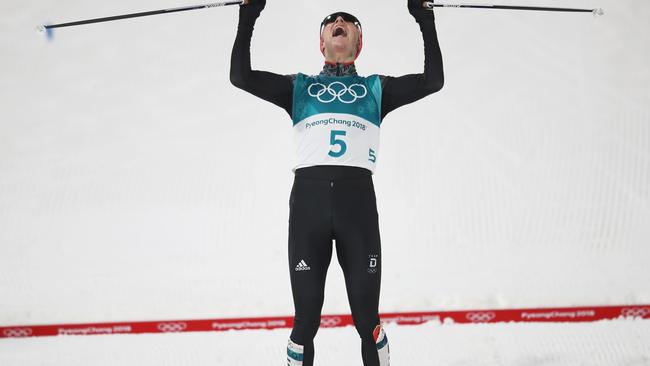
(337, 90)
(330, 321)
(482, 317)
(172, 327)
(635, 312)
(17, 332)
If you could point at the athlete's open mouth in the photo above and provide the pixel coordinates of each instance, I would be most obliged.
(339, 31)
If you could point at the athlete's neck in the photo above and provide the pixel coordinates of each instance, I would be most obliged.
(339, 69)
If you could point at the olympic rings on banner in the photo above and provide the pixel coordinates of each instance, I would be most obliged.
(172, 327)
(481, 317)
(17, 332)
(330, 321)
(635, 312)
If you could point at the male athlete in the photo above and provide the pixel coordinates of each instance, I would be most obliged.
(336, 117)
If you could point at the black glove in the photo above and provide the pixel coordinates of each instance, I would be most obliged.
(418, 11)
(253, 8)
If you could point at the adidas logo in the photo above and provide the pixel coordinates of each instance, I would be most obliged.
(302, 266)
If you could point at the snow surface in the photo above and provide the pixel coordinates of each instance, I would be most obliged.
(136, 183)
(606, 343)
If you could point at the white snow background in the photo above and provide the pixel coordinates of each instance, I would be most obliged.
(136, 183)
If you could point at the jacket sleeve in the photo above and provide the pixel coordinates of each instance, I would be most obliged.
(399, 91)
(275, 88)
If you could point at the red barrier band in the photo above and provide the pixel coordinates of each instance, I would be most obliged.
(577, 314)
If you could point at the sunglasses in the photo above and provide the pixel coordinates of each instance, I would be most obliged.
(345, 16)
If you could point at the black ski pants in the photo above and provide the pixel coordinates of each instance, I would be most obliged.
(334, 202)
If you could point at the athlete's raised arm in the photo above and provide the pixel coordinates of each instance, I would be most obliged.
(398, 91)
(277, 89)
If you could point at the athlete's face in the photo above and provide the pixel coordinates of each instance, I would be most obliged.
(340, 40)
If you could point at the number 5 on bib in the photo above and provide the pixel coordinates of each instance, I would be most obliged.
(335, 141)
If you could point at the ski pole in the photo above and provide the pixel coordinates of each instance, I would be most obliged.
(432, 4)
(48, 27)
